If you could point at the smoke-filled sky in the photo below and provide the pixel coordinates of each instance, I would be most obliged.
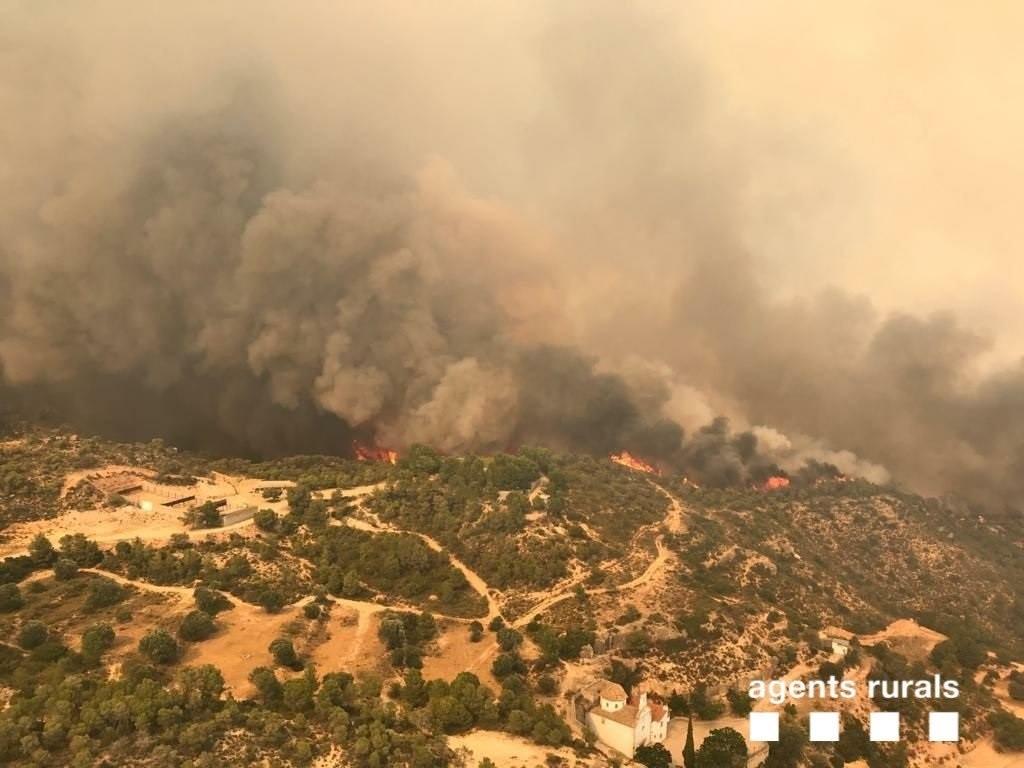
(273, 227)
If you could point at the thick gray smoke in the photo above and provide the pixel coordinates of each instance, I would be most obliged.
(273, 234)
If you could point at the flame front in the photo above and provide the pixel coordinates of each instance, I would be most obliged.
(374, 453)
(627, 459)
(775, 483)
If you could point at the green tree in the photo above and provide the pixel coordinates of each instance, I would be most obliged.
(284, 653)
(65, 569)
(196, 626)
(299, 499)
(739, 702)
(705, 707)
(547, 685)
(1008, 730)
(96, 640)
(788, 751)
(414, 689)
(723, 748)
(32, 635)
(206, 515)
(271, 600)
(104, 593)
(201, 687)
(298, 692)
(854, 742)
(268, 686)
(689, 752)
(41, 551)
(10, 598)
(350, 586)
(81, 549)
(509, 639)
(265, 520)
(653, 756)
(159, 647)
(211, 601)
(507, 664)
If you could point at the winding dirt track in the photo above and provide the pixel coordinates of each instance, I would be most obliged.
(475, 580)
(672, 523)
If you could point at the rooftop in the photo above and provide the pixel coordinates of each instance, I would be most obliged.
(626, 715)
(613, 692)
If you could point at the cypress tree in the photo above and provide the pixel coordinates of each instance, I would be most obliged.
(689, 753)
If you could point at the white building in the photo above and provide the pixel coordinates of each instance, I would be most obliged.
(619, 722)
(838, 640)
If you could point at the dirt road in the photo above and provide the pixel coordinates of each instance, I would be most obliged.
(672, 522)
(475, 580)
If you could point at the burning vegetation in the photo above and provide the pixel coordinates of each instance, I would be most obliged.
(626, 459)
(775, 483)
(374, 453)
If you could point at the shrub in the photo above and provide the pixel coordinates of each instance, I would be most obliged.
(653, 756)
(196, 626)
(104, 593)
(265, 519)
(547, 685)
(1008, 730)
(630, 615)
(507, 664)
(96, 640)
(10, 598)
(210, 601)
(32, 635)
(271, 600)
(722, 748)
(206, 515)
(41, 550)
(159, 647)
(704, 706)
(65, 568)
(81, 549)
(739, 702)
(268, 685)
(49, 652)
(311, 611)
(509, 639)
(284, 653)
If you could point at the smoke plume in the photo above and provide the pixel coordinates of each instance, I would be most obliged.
(572, 224)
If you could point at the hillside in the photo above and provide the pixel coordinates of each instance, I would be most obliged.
(372, 614)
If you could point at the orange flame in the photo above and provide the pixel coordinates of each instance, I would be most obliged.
(775, 482)
(373, 453)
(630, 461)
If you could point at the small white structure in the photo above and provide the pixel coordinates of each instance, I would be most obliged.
(620, 722)
(839, 640)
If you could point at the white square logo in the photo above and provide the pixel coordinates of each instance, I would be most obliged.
(824, 726)
(885, 726)
(764, 726)
(943, 726)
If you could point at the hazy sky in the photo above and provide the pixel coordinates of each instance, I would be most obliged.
(917, 104)
(376, 212)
